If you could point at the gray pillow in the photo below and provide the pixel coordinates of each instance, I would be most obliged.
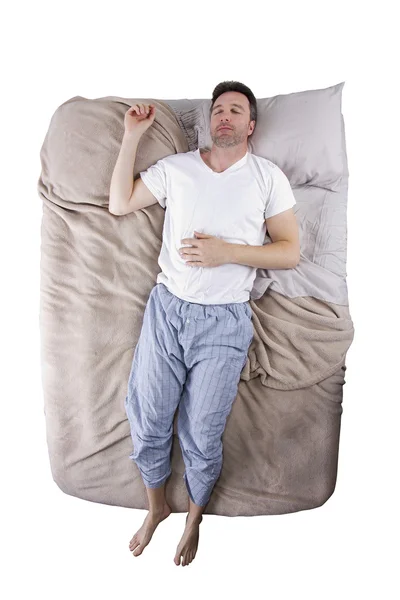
(300, 132)
(189, 116)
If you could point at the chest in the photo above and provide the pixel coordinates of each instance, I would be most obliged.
(230, 206)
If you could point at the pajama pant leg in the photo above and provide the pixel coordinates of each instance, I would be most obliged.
(216, 344)
(191, 355)
(154, 390)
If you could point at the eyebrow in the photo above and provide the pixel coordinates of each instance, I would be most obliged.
(232, 104)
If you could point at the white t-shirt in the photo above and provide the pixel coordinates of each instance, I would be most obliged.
(231, 205)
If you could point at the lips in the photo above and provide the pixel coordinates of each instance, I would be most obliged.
(219, 128)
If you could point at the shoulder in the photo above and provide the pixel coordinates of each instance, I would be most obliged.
(171, 160)
(266, 164)
(178, 157)
(272, 171)
(265, 169)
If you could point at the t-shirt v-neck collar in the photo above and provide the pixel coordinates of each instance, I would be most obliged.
(233, 167)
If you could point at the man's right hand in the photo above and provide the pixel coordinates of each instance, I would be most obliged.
(139, 118)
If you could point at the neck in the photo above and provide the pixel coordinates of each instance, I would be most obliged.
(222, 158)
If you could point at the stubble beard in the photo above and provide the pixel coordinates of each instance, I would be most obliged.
(227, 141)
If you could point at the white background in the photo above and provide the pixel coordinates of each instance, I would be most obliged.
(55, 545)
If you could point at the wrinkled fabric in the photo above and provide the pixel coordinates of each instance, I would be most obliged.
(232, 205)
(192, 352)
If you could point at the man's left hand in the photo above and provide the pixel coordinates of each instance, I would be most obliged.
(206, 251)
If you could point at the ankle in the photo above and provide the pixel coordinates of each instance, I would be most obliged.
(193, 520)
(157, 511)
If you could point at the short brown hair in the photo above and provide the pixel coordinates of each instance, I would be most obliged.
(236, 86)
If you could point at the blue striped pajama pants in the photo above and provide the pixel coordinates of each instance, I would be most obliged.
(191, 355)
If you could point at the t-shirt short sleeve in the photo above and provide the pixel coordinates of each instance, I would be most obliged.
(155, 178)
(281, 195)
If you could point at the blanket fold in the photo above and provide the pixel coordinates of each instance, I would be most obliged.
(297, 341)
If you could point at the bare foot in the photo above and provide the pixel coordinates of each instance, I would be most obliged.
(145, 533)
(187, 547)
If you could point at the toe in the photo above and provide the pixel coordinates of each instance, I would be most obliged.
(135, 545)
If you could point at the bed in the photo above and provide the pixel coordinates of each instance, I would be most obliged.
(281, 441)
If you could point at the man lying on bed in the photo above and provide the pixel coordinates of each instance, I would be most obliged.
(197, 325)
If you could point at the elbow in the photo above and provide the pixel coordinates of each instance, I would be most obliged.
(114, 210)
(114, 213)
(292, 254)
(295, 259)
(116, 205)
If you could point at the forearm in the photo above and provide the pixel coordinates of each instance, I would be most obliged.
(121, 186)
(276, 255)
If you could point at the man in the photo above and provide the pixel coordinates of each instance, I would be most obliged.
(197, 325)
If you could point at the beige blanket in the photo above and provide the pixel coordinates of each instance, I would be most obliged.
(97, 271)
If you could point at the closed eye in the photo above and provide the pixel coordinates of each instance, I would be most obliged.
(218, 111)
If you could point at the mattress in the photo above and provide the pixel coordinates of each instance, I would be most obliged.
(281, 441)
